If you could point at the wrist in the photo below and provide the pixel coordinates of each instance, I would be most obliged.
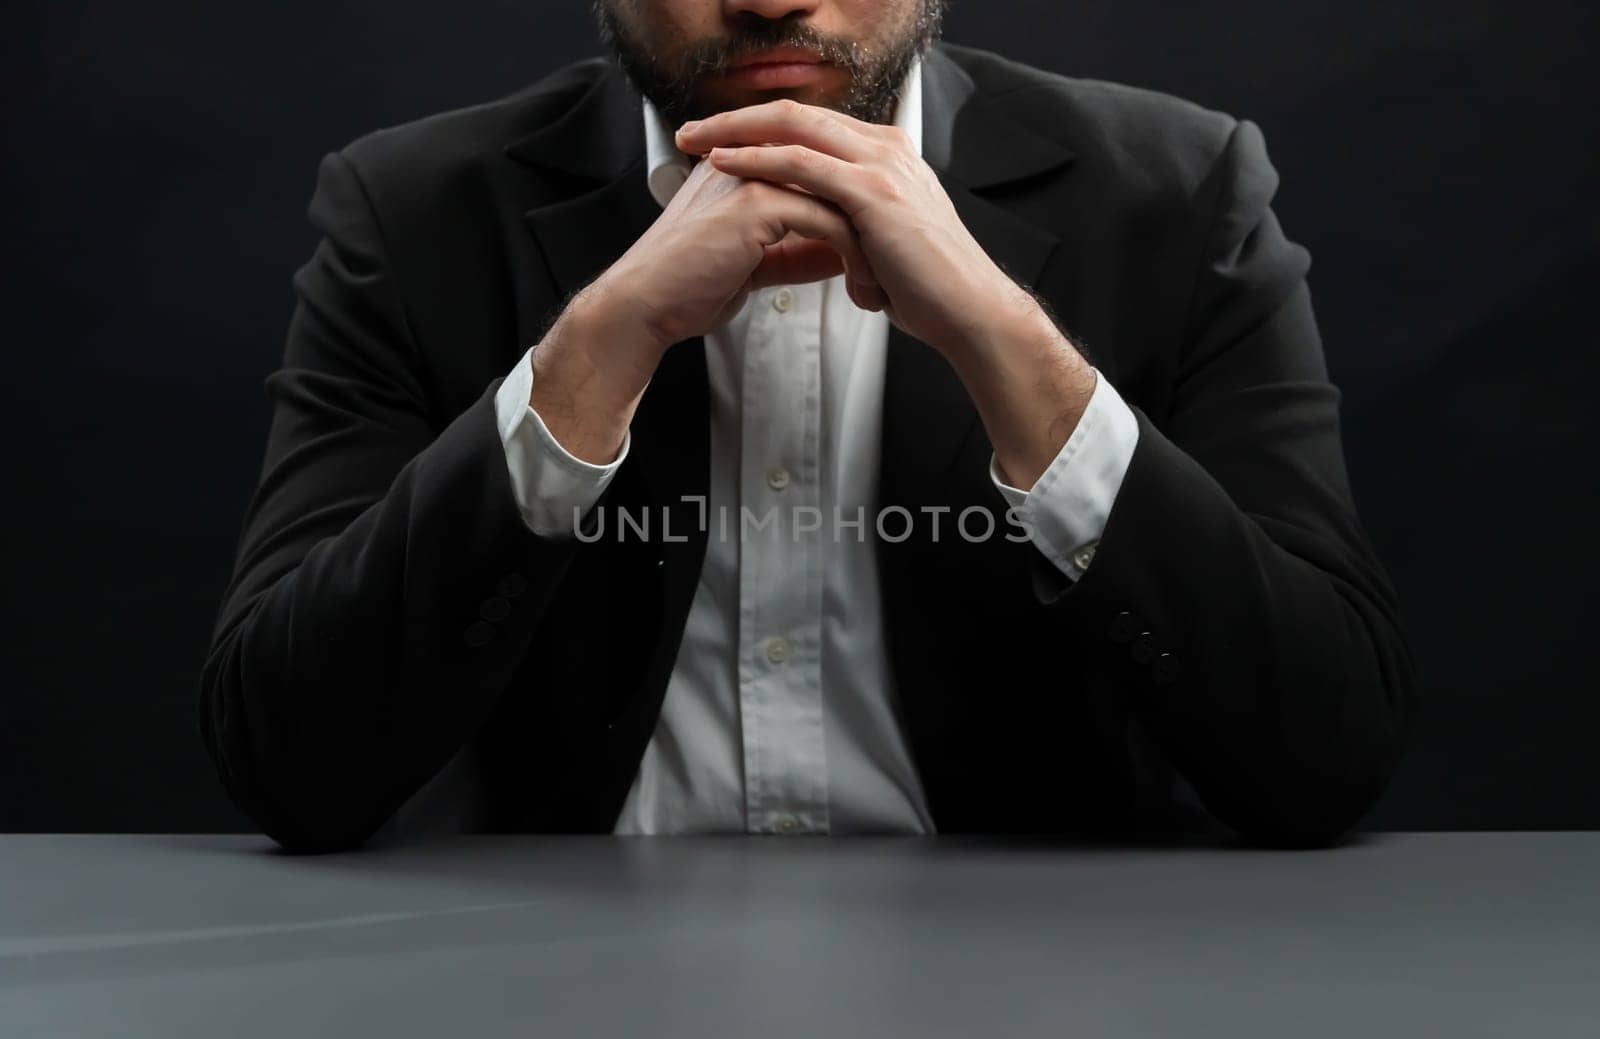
(614, 318)
(1030, 385)
(589, 373)
(596, 350)
(997, 313)
(1009, 330)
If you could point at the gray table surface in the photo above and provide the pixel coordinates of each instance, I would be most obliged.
(1492, 934)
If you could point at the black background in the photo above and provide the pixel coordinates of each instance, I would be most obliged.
(1438, 159)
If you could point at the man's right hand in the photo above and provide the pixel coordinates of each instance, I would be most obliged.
(719, 238)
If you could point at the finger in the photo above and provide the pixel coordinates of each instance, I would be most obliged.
(812, 217)
(796, 261)
(784, 121)
(860, 281)
(842, 183)
(867, 297)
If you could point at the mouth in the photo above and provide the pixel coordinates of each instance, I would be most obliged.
(782, 67)
(777, 56)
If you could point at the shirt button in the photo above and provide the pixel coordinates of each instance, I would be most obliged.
(777, 477)
(782, 300)
(778, 650)
(1085, 555)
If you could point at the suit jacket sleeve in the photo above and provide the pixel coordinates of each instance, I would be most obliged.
(1234, 591)
(385, 583)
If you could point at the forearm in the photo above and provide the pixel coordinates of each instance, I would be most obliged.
(1264, 656)
(348, 667)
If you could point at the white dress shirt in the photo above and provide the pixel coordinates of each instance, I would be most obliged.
(781, 715)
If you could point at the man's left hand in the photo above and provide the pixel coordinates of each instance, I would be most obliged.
(933, 278)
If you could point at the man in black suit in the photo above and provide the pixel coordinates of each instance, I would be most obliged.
(539, 356)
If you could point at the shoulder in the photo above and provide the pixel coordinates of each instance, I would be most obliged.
(434, 152)
(1140, 136)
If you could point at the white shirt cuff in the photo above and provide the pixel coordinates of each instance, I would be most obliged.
(1067, 507)
(552, 486)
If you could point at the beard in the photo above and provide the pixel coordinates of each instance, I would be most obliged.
(875, 78)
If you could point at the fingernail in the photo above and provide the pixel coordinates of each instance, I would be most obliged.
(689, 126)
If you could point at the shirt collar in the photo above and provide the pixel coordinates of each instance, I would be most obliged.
(669, 168)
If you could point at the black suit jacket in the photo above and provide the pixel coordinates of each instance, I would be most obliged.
(1234, 637)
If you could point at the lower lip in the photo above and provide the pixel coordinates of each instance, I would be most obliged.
(776, 73)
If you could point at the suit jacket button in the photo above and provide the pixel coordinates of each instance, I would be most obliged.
(1124, 626)
(1144, 648)
(1165, 670)
(494, 609)
(478, 633)
(512, 585)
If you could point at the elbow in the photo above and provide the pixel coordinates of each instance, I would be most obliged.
(318, 837)
(1313, 800)
(302, 807)
(1317, 818)
(1341, 729)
